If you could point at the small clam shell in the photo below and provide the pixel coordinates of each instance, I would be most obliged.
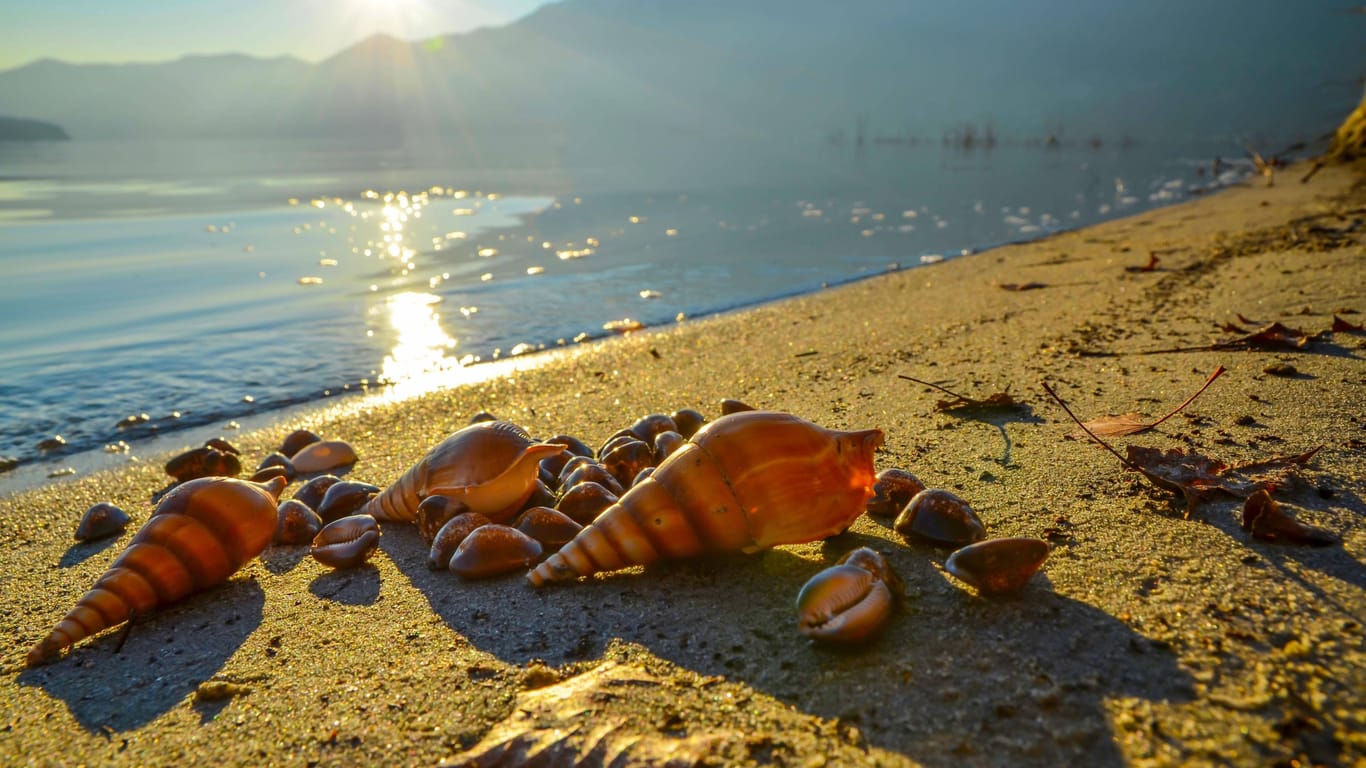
(938, 517)
(591, 473)
(619, 437)
(433, 513)
(346, 543)
(574, 446)
(344, 498)
(325, 455)
(998, 566)
(627, 459)
(541, 496)
(646, 427)
(666, 443)
(262, 475)
(843, 604)
(313, 491)
(729, 406)
(583, 502)
(893, 490)
(551, 527)
(493, 550)
(448, 538)
(278, 460)
(101, 520)
(687, 421)
(296, 440)
(873, 562)
(298, 523)
(570, 467)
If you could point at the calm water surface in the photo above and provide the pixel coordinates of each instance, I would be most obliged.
(151, 289)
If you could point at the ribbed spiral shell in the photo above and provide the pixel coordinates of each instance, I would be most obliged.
(490, 466)
(199, 535)
(745, 482)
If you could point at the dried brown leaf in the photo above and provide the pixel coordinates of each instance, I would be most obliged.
(1342, 326)
(1196, 477)
(1266, 520)
(1132, 423)
(1151, 266)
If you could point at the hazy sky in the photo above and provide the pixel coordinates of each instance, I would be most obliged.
(158, 30)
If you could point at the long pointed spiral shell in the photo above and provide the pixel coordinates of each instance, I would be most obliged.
(490, 466)
(199, 535)
(745, 482)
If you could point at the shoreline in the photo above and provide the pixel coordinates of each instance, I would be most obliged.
(1148, 639)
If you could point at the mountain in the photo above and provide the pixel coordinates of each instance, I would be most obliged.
(624, 70)
(23, 129)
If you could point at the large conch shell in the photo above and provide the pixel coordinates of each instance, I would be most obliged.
(745, 482)
(490, 466)
(199, 535)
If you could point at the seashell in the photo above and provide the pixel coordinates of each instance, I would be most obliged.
(569, 467)
(591, 473)
(627, 459)
(619, 437)
(322, 456)
(729, 406)
(101, 520)
(687, 421)
(745, 482)
(344, 499)
(296, 440)
(938, 517)
(585, 501)
(573, 447)
(550, 527)
(433, 513)
(1266, 520)
(346, 543)
(872, 561)
(51, 443)
(893, 491)
(448, 538)
(642, 474)
(481, 417)
(279, 460)
(646, 427)
(997, 566)
(493, 550)
(206, 461)
(297, 523)
(490, 466)
(666, 443)
(313, 491)
(541, 496)
(262, 475)
(200, 534)
(222, 445)
(843, 604)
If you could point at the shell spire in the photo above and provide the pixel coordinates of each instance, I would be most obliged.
(490, 466)
(745, 482)
(201, 533)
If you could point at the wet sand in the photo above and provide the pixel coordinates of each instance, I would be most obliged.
(1147, 639)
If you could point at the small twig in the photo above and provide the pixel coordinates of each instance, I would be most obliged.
(1099, 442)
(127, 630)
(945, 390)
(1217, 373)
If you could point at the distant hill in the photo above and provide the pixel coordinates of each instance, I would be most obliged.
(629, 70)
(23, 129)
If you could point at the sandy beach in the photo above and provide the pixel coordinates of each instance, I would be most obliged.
(1148, 638)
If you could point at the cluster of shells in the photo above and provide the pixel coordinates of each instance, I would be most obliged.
(849, 602)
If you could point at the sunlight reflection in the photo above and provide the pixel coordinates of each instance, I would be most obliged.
(421, 349)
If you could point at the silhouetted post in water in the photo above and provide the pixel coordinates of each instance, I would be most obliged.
(860, 130)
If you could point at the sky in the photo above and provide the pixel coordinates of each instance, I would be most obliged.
(162, 30)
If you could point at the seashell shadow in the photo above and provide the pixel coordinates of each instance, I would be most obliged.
(282, 558)
(348, 586)
(83, 550)
(937, 678)
(164, 659)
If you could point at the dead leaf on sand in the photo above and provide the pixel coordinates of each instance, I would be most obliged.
(1151, 266)
(1342, 326)
(962, 402)
(1264, 518)
(1029, 286)
(1274, 336)
(1195, 476)
(1132, 423)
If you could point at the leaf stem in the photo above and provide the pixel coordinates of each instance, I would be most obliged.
(1100, 442)
(1217, 373)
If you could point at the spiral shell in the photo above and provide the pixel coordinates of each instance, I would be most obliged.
(745, 482)
(490, 466)
(199, 535)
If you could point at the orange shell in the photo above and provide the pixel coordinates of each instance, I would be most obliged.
(199, 535)
(490, 466)
(745, 482)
